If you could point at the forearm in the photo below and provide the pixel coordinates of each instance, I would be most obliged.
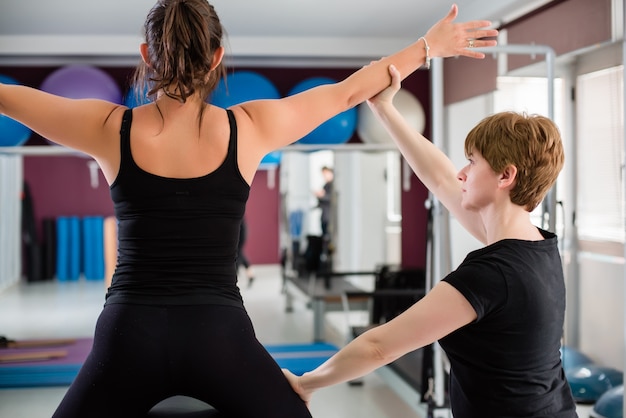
(360, 357)
(371, 79)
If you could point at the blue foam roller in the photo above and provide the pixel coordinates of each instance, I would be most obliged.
(74, 248)
(93, 247)
(63, 246)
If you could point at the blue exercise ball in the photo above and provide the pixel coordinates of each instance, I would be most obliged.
(82, 82)
(242, 86)
(571, 357)
(12, 133)
(134, 97)
(610, 404)
(589, 382)
(338, 129)
(272, 159)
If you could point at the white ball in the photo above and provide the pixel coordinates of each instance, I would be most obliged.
(372, 131)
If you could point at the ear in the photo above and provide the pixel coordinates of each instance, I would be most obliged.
(217, 57)
(143, 50)
(508, 176)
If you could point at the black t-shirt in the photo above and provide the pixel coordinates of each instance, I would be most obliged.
(507, 362)
(177, 237)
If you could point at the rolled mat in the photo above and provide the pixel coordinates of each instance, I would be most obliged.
(49, 248)
(59, 369)
(68, 248)
(93, 247)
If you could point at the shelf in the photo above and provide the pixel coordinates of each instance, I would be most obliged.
(57, 150)
(42, 150)
(339, 147)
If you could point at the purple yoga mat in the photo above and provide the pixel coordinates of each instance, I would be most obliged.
(52, 372)
(76, 354)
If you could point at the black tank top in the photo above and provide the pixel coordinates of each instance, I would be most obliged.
(177, 238)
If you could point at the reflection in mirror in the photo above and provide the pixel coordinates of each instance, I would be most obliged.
(365, 219)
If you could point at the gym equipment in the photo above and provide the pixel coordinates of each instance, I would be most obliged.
(272, 159)
(242, 86)
(12, 133)
(30, 239)
(134, 97)
(571, 357)
(59, 360)
(9, 343)
(610, 404)
(49, 248)
(35, 366)
(589, 382)
(82, 82)
(68, 248)
(338, 129)
(395, 290)
(93, 247)
(371, 131)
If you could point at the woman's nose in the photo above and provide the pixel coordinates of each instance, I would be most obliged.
(461, 174)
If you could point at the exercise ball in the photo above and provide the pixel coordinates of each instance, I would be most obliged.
(610, 404)
(272, 159)
(134, 97)
(336, 130)
(589, 382)
(570, 358)
(12, 133)
(371, 130)
(82, 82)
(242, 86)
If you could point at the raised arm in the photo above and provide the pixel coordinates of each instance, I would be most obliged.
(428, 162)
(274, 124)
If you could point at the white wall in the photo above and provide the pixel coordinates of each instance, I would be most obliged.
(362, 210)
(461, 118)
(602, 308)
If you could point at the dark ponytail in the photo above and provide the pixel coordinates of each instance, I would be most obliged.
(182, 36)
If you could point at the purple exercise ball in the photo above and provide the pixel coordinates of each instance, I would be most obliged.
(83, 82)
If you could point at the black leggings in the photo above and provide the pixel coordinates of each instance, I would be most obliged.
(144, 354)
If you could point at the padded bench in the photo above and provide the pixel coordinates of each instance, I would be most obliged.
(324, 293)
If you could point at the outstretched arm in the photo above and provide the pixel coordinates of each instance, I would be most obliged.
(272, 124)
(79, 124)
(429, 163)
(443, 310)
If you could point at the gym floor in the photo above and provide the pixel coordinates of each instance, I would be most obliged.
(67, 310)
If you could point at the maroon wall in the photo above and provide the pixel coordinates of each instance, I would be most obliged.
(61, 185)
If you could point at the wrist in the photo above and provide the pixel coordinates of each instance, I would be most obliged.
(426, 51)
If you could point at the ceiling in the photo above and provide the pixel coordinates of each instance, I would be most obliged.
(267, 32)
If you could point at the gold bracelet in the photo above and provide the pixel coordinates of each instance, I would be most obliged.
(427, 63)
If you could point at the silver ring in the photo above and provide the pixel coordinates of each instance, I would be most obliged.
(470, 43)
